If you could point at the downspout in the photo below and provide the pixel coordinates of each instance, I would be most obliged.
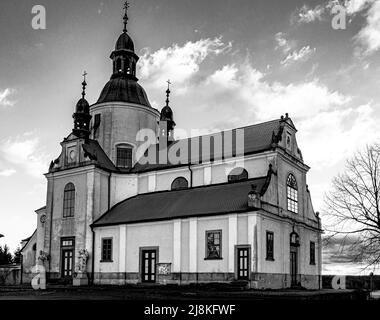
(51, 225)
(109, 190)
(93, 256)
(191, 175)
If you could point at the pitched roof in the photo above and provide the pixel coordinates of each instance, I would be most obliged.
(257, 138)
(198, 201)
(27, 240)
(95, 152)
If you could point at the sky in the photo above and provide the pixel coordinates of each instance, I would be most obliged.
(231, 63)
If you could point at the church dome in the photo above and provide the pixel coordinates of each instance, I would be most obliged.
(123, 90)
(125, 43)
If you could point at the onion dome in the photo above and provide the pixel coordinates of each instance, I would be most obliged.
(123, 86)
(124, 90)
(82, 115)
(167, 112)
(125, 42)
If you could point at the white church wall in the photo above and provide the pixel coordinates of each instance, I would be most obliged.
(165, 178)
(107, 267)
(120, 123)
(123, 187)
(158, 234)
(209, 224)
(269, 266)
(70, 226)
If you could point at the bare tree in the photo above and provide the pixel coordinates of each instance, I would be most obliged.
(353, 207)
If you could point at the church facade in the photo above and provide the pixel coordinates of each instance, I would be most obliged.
(120, 210)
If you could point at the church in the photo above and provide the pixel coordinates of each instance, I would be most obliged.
(127, 203)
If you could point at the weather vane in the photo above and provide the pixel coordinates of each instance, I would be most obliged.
(84, 84)
(126, 7)
(168, 92)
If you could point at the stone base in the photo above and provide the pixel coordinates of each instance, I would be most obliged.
(80, 280)
(257, 280)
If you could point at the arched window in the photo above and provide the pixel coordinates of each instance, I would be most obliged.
(292, 193)
(118, 65)
(124, 156)
(237, 174)
(69, 200)
(180, 183)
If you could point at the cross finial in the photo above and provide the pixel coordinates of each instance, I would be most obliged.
(168, 92)
(125, 18)
(84, 84)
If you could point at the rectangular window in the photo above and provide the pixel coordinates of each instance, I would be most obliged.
(270, 241)
(214, 244)
(312, 252)
(124, 157)
(292, 200)
(107, 249)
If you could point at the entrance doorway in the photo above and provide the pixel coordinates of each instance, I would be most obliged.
(294, 245)
(67, 257)
(242, 262)
(148, 265)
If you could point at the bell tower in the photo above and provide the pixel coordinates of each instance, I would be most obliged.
(166, 124)
(82, 115)
(124, 57)
(123, 111)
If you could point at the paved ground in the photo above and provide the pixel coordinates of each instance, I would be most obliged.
(169, 293)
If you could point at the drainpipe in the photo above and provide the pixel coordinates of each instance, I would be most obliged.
(191, 175)
(93, 256)
(109, 190)
(51, 224)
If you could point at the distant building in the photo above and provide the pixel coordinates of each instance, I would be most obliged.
(210, 218)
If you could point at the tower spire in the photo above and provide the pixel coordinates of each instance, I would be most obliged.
(84, 84)
(168, 93)
(125, 18)
(82, 115)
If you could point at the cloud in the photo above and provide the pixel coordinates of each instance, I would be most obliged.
(282, 43)
(4, 97)
(368, 37)
(179, 63)
(25, 151)
(302, 55)
(307, 14)
(244, 88)
(7, 172)
(239, 94)
(347, 131)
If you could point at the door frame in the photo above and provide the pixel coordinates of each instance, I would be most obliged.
(294, 245)
(141, 249)
(243, 246)
(62, 250)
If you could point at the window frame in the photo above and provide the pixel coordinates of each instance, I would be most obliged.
(241, 177)
(292, 193)
(207, 253)
(124, 147)
(312, 252)
(269, 253)
(69, 196)
(182, 187)
(103, 257)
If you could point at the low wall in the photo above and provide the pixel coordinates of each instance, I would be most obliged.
(10, 275)
(354, 282)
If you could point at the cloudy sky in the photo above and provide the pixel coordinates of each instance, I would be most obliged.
(231, 62)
